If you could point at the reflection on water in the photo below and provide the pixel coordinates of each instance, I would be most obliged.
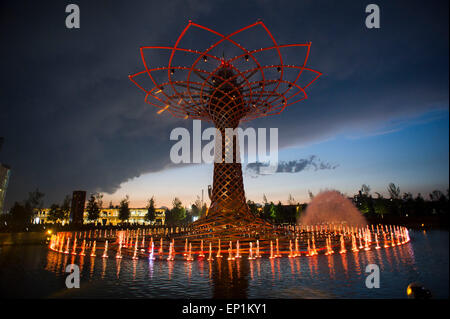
(34, 271)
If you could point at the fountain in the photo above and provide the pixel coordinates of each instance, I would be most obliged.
(343, 250)
(218, 251)
(189, 256)
(74, 249)
(250, 252)
(105, 252)
(210, 258)
(150, 254)
(238, 255)
(330, 207)
(83, 248)
(201, 254)
(258, 254)
(93, 249)
(135, 250)
(271, 250)
(278, 249)
(230, 251)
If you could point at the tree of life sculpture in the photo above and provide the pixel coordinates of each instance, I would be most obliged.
(226, 95)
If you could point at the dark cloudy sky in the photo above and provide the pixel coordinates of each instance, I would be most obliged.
(71, 119)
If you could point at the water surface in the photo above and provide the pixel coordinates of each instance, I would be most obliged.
(32, 271)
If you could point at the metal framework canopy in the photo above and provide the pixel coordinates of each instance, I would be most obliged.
(226, 91)
(246, 86)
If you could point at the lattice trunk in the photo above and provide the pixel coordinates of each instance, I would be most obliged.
(228, 195)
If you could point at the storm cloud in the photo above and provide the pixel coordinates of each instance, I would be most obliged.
(310, 163)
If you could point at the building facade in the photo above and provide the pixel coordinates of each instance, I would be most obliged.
(108, 217)
(4, 179)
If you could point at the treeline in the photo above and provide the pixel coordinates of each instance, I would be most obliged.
(20, 216)
(371, 205)
(401, 204)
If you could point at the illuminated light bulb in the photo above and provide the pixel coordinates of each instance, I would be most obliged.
(163, 109)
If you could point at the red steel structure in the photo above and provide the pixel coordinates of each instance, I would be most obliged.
(226, 95)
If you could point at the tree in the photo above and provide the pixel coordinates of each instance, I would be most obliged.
(291, 200)
(151, 212)
(365, 190)
(196, 207)
(178, 212)
(280, 216)
(204, 210)
(394, 191)
(22, 214)
(65, 207)
(380, 207)
(272, 211)
(99, 200)
(93, 209)
(252, 207)
(124, 209)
